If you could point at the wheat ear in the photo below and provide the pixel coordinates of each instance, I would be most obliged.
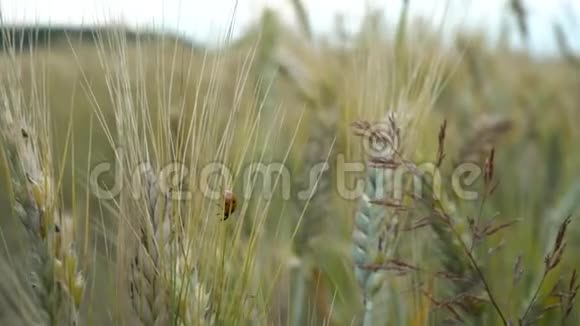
(162, 281)
(55, 277)
(375, 230)
(164, 285)
(148, 293)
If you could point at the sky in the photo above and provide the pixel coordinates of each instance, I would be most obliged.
(208, 20)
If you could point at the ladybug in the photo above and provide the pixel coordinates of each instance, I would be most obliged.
(230, 203)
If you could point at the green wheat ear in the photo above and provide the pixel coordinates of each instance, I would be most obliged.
(375, 230)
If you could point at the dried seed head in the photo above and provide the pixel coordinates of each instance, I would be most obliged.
(489, 167)
(562, 232)
(553, 258)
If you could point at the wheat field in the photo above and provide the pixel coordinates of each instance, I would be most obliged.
(387, 178)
